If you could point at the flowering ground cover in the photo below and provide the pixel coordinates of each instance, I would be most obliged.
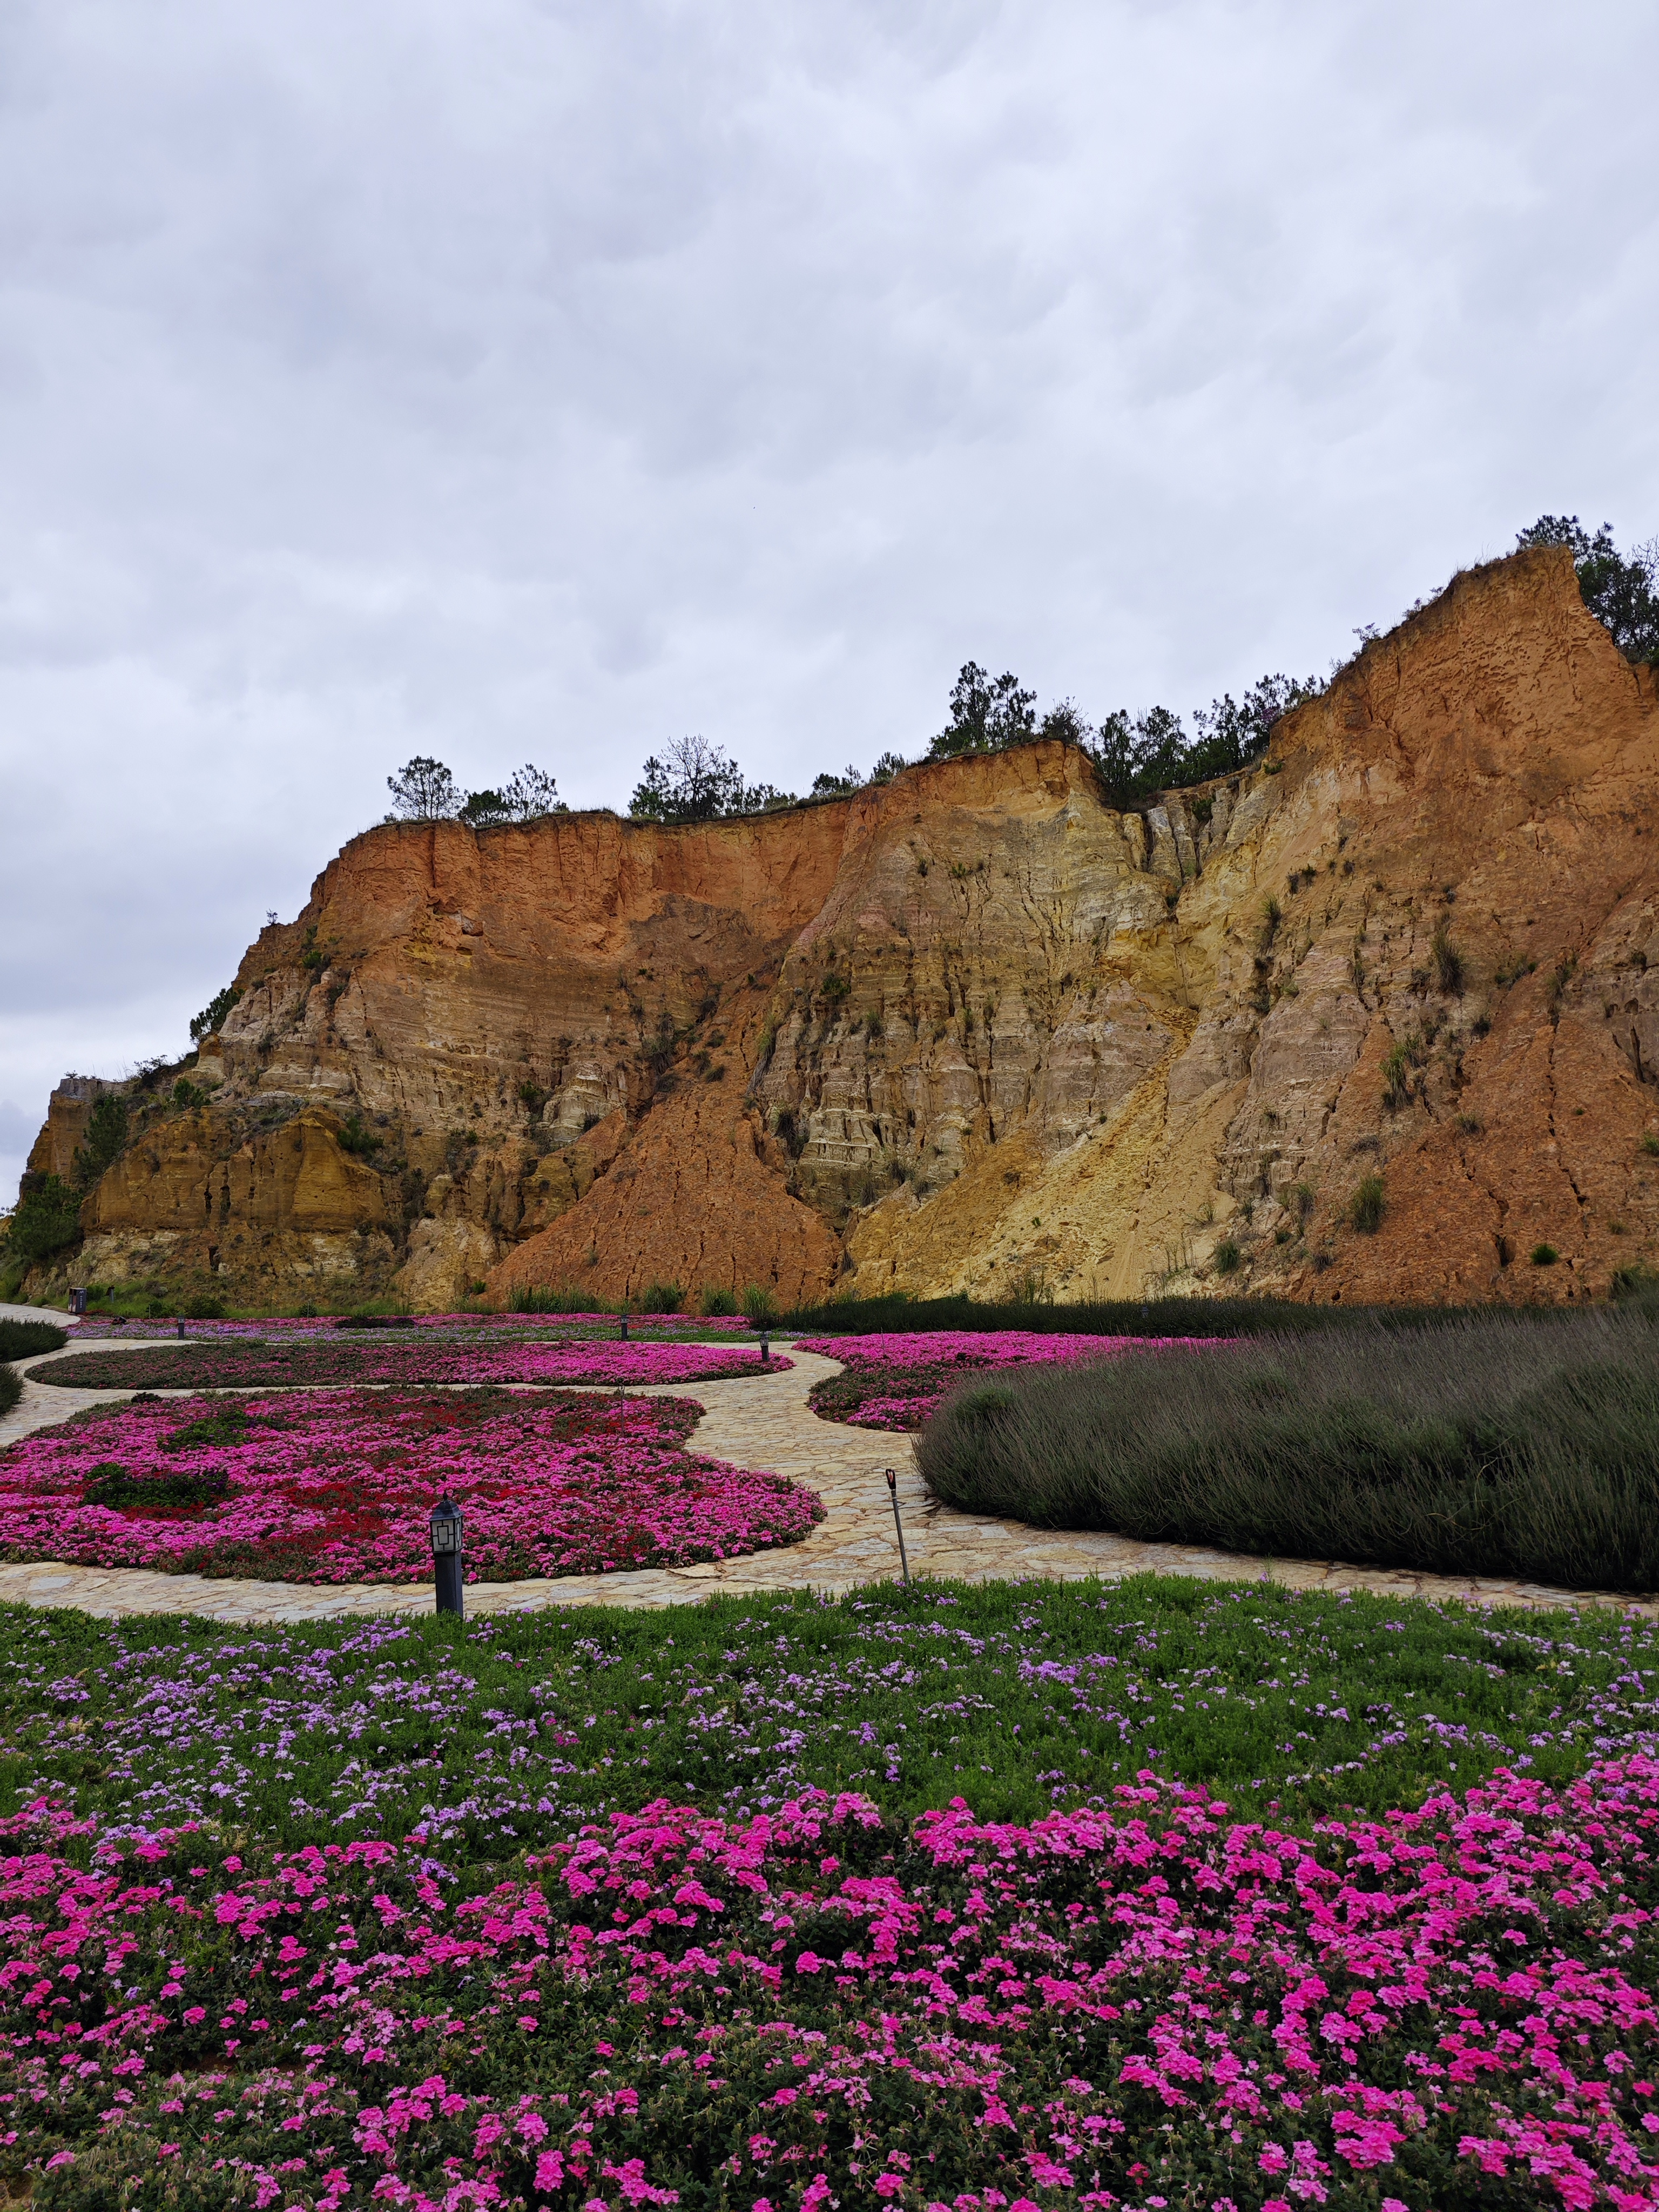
(337, 1486)
(598, 1941)
(896, 1381)
(1144, 2002)
(378, 1358)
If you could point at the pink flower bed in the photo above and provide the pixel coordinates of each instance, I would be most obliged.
(401, 1359)
(896, 1381)
(337, 1486)
(1143, 2005)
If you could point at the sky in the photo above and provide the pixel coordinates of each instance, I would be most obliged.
(535, 381)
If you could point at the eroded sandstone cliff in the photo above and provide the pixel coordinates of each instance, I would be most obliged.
(975, 1030)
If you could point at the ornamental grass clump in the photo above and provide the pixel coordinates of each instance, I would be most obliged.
(1520, 1449)
(22, 1340)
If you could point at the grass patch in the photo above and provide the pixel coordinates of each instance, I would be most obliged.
(1519, 1449)
(504, 1734)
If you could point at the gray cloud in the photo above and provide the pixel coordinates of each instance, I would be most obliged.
(539, 381)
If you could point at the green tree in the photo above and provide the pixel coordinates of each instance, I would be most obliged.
(525, 797)
(695, 781)
(423, 790)
(105, 1140)
(208, 1021)
(47, 1218)
(1622, 594)
(987, 715)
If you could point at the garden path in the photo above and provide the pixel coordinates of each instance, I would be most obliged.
(765, 1423)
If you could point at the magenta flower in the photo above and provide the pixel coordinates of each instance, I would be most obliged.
(337, 1486)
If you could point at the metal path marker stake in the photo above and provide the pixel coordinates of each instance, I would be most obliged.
(892, 1491)
(446, 1556)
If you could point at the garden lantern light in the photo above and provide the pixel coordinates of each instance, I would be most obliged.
(447, 1555)
(766, 1347)
(624, 1328)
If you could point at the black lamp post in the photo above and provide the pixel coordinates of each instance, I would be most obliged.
(447, 1556)
(766, 1347)
(624, 1328)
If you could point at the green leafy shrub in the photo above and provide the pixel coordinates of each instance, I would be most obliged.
(1227, 1256)
(45, 1219)
(1497, 1447)
(715, 1302)
(11, 1387)
(759, 1303)
(111, 1484)
(1368, 1205)
(203, 1307)
(662, 1298)
(1544, 1255)
(356, 1137)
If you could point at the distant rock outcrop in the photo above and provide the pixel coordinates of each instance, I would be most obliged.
(975, 1029)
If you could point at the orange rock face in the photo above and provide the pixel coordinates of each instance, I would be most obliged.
(975, 1029)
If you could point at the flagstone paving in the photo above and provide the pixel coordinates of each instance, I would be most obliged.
(763, 1422)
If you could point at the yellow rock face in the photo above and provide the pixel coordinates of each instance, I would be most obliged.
(975, 1030)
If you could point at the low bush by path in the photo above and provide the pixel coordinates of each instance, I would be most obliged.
(1527, 1450)
(230, 1365)
(338, 1486)
(547, 1913)
(474, 1328)
(22, 1340)
(893, 1381)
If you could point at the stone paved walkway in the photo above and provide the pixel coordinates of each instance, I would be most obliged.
(765, 1423)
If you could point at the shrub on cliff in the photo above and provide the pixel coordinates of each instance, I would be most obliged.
(1512, 1448)
(423, 790)
(1622, 594)
(1134, 757)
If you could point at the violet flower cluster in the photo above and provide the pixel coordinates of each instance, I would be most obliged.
(338, 1486)
(896, 1381)
(1143, 2004)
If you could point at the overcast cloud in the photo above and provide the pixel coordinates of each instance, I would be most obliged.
(521, 381)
